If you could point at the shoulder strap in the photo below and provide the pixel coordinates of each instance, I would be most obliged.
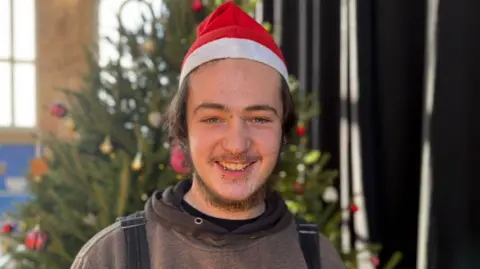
(308, 236)
(136, 242)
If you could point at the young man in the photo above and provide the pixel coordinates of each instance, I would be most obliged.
(231, 114)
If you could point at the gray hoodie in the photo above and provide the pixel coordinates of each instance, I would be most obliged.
(176, 241)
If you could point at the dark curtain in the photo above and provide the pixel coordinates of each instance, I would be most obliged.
(391, 54)
(456, 138)
(326, 136)
(391, 36)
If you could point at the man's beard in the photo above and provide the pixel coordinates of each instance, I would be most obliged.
(216, 200)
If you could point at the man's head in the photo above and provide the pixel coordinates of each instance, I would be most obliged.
(232, 113)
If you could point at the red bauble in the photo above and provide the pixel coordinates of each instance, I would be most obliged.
(197, 5)
(301, 130)
(36, 240)
(353, 208)
(59, 110)
(375, 261)
(7, 228)
(298, 188)
(178, 159)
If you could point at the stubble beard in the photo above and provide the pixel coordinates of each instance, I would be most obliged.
(228, 205)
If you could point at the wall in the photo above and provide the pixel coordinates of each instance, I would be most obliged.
(63, 28)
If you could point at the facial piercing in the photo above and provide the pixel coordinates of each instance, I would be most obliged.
(222, 176)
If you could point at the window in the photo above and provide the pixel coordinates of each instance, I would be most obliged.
(18, 87)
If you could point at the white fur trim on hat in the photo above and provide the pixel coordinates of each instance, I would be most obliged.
(233, 48)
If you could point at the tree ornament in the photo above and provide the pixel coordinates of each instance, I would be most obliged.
(59, 110)
(70, 124)
(178, 158)
(106, 147)
(301, 130)
(137, 162)
(7, 228)
(197, 5)
(330, 194)
(36, 239)
(375, 260)
(38, 168)
(353, 208)
(298, 188)
(155, 119)
(148, 46)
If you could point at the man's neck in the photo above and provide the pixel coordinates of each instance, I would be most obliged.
(196, 198)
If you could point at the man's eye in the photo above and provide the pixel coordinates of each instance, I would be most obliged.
(211, 120)
(260, 120)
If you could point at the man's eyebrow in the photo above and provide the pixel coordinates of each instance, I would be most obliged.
(209, 105)
(217, 106)
(261, 108)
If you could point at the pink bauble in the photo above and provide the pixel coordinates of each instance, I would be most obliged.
(178, 162)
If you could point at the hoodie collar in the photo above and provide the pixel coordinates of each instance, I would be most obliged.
(165, 208)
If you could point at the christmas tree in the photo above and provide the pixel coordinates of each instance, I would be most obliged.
(120, 151)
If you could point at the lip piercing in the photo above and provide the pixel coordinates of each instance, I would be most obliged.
(222, 176)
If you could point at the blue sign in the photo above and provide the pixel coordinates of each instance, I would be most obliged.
(14, 165)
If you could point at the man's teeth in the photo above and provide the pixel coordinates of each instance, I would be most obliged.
(234, 166)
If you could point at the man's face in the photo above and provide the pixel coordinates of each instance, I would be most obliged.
(234, 119)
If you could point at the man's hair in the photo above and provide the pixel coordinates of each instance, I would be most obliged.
(176, 117)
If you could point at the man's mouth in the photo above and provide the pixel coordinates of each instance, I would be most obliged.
(235, 167)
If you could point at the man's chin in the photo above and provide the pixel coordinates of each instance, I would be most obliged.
(237, 201)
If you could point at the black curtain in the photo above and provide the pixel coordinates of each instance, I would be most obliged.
(391, 44)
(455, 223)
(391, 36)
(391, 56)
(326, 137)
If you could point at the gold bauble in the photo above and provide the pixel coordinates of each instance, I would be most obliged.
(137, 162)
(106, 147)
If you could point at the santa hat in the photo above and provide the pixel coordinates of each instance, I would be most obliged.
(229, 32)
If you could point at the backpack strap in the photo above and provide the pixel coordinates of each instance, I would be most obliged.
(136, 242)
(308, 237)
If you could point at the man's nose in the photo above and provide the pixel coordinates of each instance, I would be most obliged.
(237, 139)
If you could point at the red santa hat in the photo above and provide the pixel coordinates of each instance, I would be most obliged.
(229, 32)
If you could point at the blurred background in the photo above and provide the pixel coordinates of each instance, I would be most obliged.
(387, 92)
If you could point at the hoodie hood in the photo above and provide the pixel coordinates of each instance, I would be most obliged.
(165, 208)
